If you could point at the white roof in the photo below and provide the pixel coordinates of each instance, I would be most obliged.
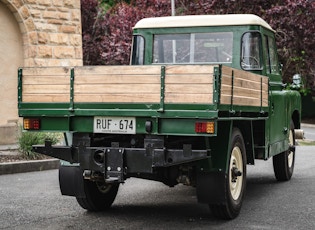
(202, 20)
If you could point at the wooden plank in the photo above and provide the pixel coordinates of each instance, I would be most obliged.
(244, 83)
(189, 79)
(248, 101)
(46, 80)
(241, 74)
(118, 70)
(46, 98)
(152, 69)
(117, 79)
(189, 88)
(189, 69)
(237, 91)
(46, 71)
(245, 101)
(46, 89)
(118, 98)
(189, 98)
(116, 88)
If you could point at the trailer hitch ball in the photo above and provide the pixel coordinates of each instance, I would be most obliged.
(99, 156)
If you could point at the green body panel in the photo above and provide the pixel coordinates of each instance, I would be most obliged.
(284, 104)
(160, 126)
(219, 148)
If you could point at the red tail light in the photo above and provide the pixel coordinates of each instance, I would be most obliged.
(31, 123)
(205, 127)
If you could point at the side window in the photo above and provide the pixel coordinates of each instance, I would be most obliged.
(266, 52)
(250, 51)
(137, 57)
(273, 57)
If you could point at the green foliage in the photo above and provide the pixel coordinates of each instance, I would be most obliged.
(302, 90)
(107, 36)
(27, 139)
(108, 4)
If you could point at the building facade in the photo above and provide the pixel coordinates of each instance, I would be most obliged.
(34, 33)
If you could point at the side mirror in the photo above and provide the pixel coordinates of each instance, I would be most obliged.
(280, 67)
(296, 81)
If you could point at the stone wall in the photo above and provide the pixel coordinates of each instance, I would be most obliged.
(51, 31)
(50, 35)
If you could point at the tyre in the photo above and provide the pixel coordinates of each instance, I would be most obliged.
(99, 196)
(235, 181)
(283, 163)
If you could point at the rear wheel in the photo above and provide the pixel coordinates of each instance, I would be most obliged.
(235, 181)
(283, 163)
(99, 196)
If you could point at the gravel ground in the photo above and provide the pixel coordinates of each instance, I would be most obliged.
(14, 155)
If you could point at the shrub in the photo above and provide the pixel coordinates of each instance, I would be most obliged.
(27, 139)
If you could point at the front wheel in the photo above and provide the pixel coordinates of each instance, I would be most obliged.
(99, 196)
(235, 181)
(283, 163)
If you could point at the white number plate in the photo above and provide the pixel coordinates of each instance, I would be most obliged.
(115, 125)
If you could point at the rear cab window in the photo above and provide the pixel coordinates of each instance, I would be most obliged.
(216, 47)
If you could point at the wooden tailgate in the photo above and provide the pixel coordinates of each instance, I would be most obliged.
(121, 84)
(176, 84)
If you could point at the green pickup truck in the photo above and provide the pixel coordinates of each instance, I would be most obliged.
(202, 98)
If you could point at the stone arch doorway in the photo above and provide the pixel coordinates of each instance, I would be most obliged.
(11, 57)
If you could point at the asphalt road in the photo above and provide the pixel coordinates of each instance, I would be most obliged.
(33, 201)
(309, 131)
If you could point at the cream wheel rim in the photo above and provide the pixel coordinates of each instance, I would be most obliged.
(236, 165)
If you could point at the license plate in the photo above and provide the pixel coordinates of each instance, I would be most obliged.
(115, 125)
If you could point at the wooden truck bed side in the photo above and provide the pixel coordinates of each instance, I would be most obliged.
(243, 88)
(172, 84)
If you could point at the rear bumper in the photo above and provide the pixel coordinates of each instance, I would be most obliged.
(116, 163)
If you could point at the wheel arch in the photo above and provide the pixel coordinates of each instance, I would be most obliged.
(296, 118)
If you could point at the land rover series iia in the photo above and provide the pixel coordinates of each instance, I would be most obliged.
(202, 98)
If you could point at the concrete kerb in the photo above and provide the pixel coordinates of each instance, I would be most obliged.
(28, 166)
(24, 166)
(307, 125)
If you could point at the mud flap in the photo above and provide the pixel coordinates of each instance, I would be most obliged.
(211, 187)
(71, 181)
